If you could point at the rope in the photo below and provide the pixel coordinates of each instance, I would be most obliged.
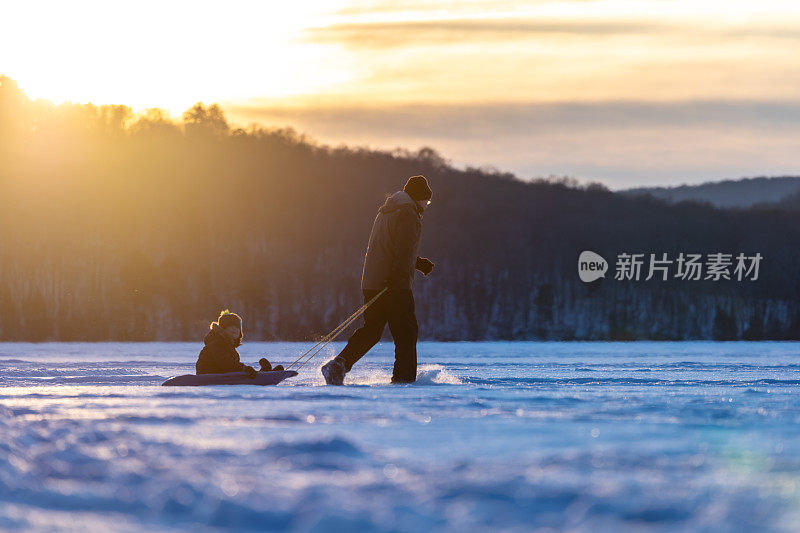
(327, 339)
(344, 324)
(332, 336)
(335, 333)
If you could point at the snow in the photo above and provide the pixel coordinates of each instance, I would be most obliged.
(580, 436)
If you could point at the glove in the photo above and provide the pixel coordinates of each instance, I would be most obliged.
(250, 371)
(424, 265)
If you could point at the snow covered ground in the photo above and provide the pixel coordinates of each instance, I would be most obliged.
(493, 436)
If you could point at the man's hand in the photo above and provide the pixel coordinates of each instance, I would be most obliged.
(424, 265)
(250, 371)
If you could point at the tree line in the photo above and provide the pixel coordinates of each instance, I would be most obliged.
(117, 225)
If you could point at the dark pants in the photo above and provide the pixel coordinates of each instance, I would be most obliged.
(397, 308)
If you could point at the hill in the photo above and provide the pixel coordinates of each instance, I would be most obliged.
(744, 192)
(118, 226)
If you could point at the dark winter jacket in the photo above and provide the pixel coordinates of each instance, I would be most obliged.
(393, 243)
(219, 354)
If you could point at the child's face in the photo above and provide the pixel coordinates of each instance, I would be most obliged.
(232, 331)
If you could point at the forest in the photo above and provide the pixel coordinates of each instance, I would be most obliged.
(126, 226)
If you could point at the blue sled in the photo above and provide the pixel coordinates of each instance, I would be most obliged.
(231, 378)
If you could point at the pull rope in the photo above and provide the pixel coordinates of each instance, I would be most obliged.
(332, 337)
(327, 339)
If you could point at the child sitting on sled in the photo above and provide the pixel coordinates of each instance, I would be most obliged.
(219, 354)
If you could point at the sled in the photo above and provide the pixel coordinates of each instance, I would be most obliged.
(231, 378)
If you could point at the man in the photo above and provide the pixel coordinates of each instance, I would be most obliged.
(390, 262)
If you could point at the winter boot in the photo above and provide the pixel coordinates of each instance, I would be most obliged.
(333, 371)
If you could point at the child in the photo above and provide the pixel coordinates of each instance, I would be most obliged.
(219, 354)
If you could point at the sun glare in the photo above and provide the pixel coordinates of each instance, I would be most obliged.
(164, 54)
(337, 53)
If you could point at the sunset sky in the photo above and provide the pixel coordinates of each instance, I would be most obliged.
(624, 92)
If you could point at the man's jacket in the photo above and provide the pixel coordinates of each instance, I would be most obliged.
(392, 249)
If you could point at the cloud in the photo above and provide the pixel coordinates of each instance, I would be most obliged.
(621, 143)
(478, 120)
(437, 32)
(391, 34)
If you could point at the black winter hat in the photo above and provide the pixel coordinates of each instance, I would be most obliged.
(226, 318)
(417, 188)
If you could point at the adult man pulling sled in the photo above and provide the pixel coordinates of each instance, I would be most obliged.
(390, 262)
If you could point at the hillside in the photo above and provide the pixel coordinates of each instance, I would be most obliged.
(744, 192)
(116, 226)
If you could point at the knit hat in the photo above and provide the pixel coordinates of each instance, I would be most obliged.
(417, 188)
(226, 318)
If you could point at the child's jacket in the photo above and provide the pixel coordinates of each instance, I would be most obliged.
(219, 355)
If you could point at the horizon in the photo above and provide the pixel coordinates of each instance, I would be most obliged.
(628, 95)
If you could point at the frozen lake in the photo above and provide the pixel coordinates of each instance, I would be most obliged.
(494, 436)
